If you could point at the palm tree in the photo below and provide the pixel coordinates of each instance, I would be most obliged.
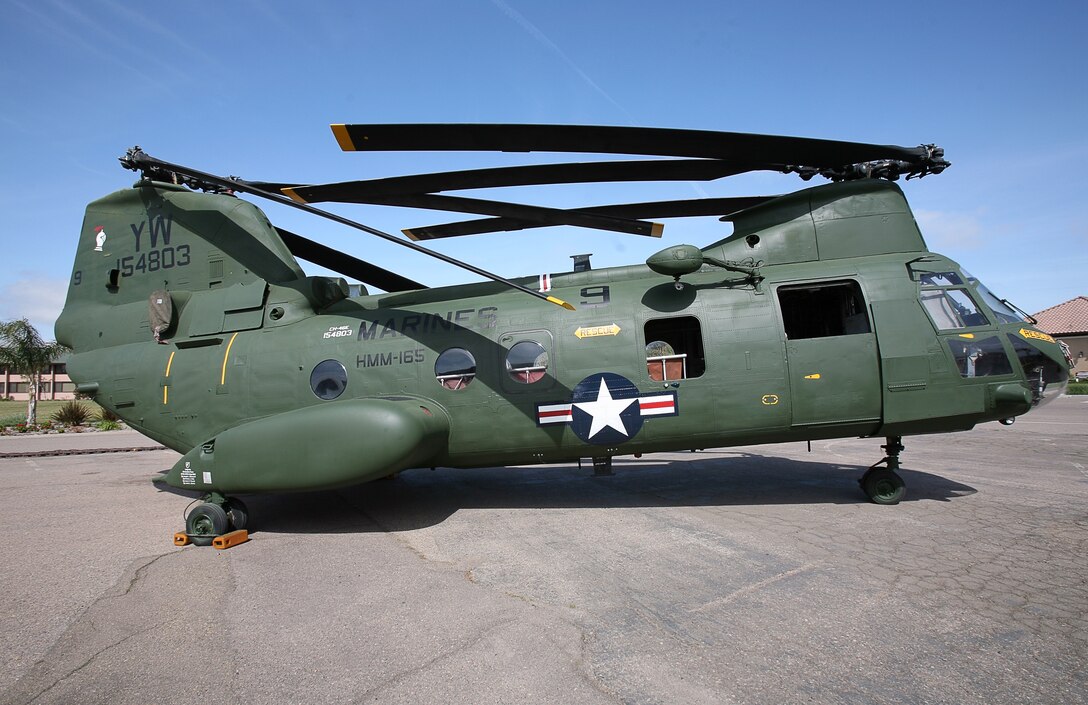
(24, 352)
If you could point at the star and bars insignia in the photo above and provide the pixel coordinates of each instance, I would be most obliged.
(606, 409)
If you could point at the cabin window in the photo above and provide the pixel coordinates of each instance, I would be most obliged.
(329, 379)
(951, 308)
(980, 358)
(527, 362)
(455, 368)
(823, 310)
(674, 349)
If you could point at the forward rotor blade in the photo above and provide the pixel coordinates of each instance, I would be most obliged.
(532, 214)
(766, 150)
(345, 264)
(536, 174)
(656, 209)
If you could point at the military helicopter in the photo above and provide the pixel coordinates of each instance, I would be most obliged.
(823, 315)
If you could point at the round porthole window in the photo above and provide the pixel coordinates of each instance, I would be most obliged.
(455, 368)
(329, 379)
(527, 362)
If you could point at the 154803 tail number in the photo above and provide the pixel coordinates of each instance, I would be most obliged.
(154, 260)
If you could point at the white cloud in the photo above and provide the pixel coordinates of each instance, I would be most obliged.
(946, 230)
(537, 34)
(35, 296)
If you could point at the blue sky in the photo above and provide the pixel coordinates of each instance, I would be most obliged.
(249, 88)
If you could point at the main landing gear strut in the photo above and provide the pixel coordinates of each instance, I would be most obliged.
(218, 515)
(883, 485)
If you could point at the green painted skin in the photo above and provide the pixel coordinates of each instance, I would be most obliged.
(231, 386)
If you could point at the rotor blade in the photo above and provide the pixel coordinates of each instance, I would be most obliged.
(346, 264)
(149, 166)
(536, 174)
(657, 209)
(533, 214)
(734, 146)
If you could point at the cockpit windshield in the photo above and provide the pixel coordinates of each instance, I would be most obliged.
(1004, 312)
(954, 286)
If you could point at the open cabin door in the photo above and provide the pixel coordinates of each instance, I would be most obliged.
(832, 356)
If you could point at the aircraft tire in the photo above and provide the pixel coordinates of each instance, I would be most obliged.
(206, 522)
(883, 486)
(237, 513)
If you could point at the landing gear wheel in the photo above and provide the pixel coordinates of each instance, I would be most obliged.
(883, 486)
(237, 513)
(206, 522)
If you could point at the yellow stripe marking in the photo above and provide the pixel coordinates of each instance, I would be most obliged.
(656, 229)
(290, 193)
(223, 376)
(813, 376)
(166, 387)
(410, 235)
(343, 138)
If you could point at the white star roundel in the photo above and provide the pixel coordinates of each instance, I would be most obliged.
(606, 409)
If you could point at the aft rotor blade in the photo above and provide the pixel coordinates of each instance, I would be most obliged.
(734, 146)
(656, 209)
(345, 264)
(150, 166)
(531, 175)
(532, 214)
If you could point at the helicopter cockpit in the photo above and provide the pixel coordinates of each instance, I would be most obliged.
(951, 299)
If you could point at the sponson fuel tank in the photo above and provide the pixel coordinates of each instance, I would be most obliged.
(318, 447)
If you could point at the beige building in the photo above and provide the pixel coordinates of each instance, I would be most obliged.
(1068, 322)
(55, 384)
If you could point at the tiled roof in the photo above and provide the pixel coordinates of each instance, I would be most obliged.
(1069, 317)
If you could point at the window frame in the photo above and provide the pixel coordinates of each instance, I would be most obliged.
(669, 330)
(856, 289)
(451, 381)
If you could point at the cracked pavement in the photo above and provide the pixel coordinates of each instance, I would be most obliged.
(745, 575)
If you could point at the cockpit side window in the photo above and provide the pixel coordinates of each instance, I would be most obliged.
(950, 300)
(952, 308)
(980, 358)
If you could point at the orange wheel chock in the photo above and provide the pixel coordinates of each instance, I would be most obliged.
(232, 539)
(180, 539)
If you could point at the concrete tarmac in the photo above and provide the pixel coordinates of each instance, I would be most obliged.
(749, 575)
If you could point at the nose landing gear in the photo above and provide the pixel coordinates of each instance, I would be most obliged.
(883, 485)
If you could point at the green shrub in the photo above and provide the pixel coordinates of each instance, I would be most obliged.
(107, 426)
(1077, 388)
(72, 413)
(105, 414)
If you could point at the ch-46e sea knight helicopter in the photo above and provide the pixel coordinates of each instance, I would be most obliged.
(823, 315)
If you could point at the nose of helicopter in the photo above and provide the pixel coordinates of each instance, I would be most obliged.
(1046, 365)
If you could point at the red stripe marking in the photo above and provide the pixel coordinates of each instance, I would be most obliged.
(549, 414)
(668, 404)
